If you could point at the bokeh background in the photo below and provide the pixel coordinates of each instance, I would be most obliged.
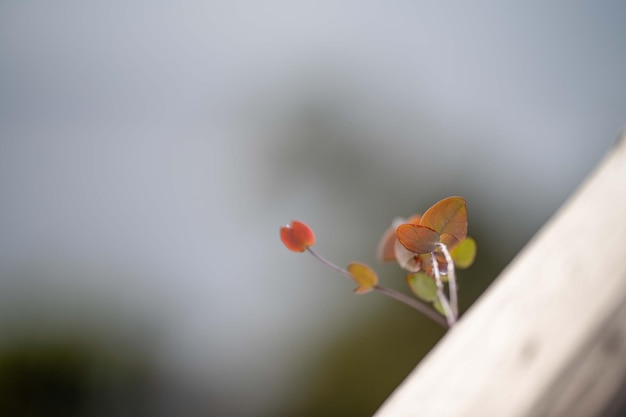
(149, 152)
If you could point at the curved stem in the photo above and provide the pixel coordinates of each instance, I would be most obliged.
(440, 293)
(328, 263)
(396, 295)
(451, 279)
(412, 302)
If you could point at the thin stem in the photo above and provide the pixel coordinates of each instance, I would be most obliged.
(451, 279)
(328, 263)
(412, 302)
(396, 295)
(440, 293)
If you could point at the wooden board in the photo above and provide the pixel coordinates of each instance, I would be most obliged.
(548, 338)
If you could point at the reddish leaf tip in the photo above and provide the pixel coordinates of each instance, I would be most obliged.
(386, 250)
(297, 236)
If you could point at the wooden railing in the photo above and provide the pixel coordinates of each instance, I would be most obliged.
(548, 338)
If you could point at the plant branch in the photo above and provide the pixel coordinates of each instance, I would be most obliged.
(396, 295)
(329, 264)
(440, 293)
(412, 302)
(451, 279)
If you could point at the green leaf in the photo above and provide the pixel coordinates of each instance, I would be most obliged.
(464, 253)
(417, 239)
(423, 286)
(439, 308)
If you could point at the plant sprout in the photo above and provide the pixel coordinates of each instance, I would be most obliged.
(430, 247)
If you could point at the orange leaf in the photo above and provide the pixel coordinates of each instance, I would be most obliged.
(364, 276)
(386, 246)
(414, 219)
(447, 216)
(297, 236)
(448, 240)
(385, 251)
(417, 238)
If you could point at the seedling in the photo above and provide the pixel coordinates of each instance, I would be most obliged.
(430, 246)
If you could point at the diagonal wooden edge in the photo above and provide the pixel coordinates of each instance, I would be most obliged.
(548, 338)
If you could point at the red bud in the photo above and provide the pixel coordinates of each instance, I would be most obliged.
(297, 236)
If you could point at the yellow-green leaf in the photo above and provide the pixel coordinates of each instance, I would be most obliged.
(439, 308)
(365, 278)
(464, 253)
(423, 286)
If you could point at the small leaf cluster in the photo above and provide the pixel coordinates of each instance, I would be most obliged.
(429, 246)
(413, 242)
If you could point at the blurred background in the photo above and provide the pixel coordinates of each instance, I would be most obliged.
(149, 152)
